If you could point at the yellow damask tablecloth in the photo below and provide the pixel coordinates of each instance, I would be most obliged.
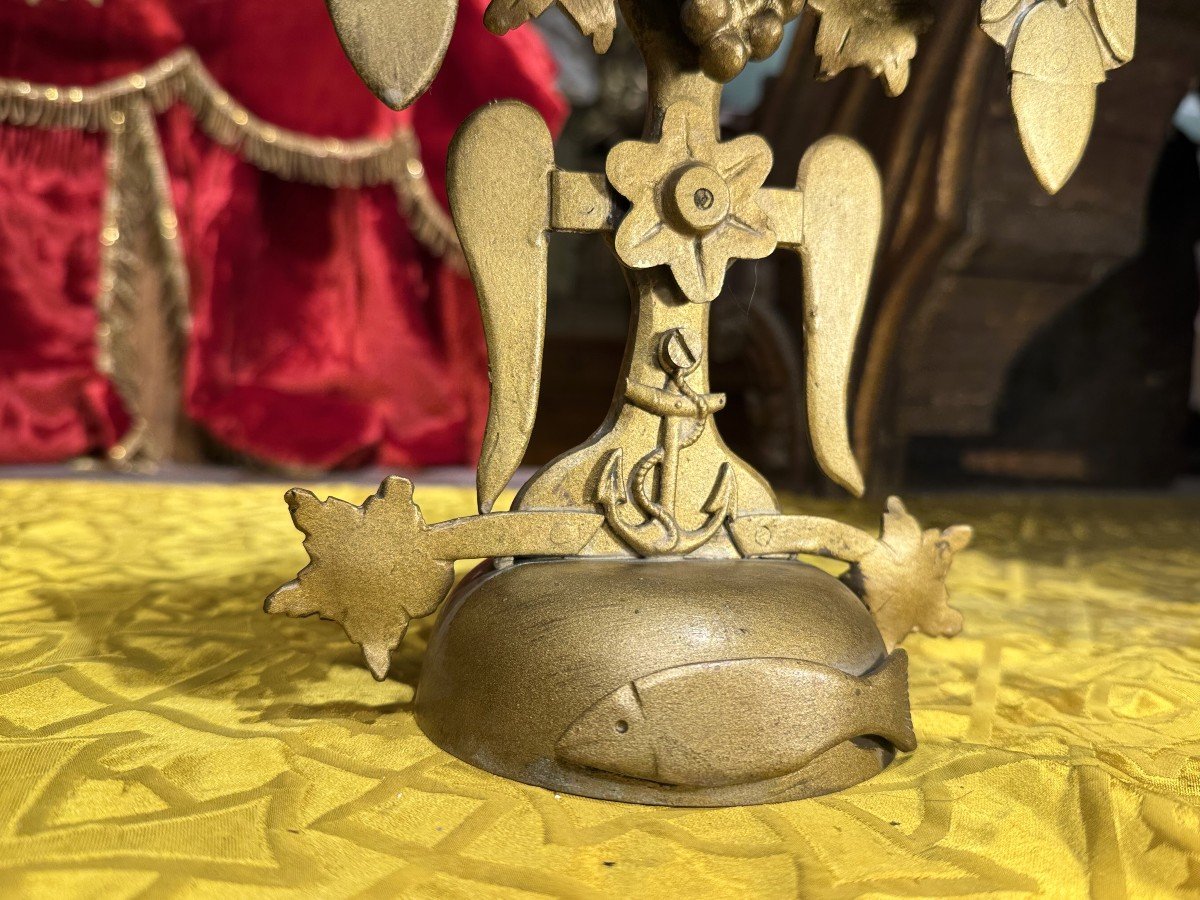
(160, 736)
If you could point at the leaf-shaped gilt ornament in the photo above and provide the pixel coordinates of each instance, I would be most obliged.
(880, 35)
(371, 571)
(595, 18)
(1114, 23)
(396, 46)
(903, 579)
(997, 17)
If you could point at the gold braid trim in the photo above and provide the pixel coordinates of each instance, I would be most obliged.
(141, 346)
(91, 108)
(117, 299)
(291, 155)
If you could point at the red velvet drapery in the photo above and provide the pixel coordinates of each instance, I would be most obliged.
(323, 333)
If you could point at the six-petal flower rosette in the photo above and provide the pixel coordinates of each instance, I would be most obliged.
(694, 201)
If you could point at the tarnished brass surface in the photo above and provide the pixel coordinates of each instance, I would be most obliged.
(659, 728)
(694, 204)
(641, 632)
(521, 655)
(842, 216)
(901, 576)
(730, 33)
(377, 566)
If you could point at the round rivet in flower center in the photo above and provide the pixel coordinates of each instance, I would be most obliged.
(698, 199)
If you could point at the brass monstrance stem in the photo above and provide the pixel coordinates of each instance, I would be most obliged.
(642, 629)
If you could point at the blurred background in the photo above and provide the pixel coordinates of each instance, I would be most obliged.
(220, 257)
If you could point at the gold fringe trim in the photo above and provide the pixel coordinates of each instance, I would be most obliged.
(290, 155)
(92, 108)
(139, 226)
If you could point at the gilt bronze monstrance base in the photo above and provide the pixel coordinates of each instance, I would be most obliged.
(604, 677)
(642, 629)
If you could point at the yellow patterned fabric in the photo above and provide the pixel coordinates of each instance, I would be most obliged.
(160, 736)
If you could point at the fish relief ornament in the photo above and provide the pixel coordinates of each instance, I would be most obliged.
(642, 629)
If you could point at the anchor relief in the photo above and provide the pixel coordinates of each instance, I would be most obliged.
(655, 478)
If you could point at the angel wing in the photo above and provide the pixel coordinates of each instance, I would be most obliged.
(843, 220)
(499, 173)
(833, 220)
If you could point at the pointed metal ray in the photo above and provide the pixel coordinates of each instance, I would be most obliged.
(396, 46)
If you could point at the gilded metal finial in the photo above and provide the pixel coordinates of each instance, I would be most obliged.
(1059, 52)
(642, 630)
